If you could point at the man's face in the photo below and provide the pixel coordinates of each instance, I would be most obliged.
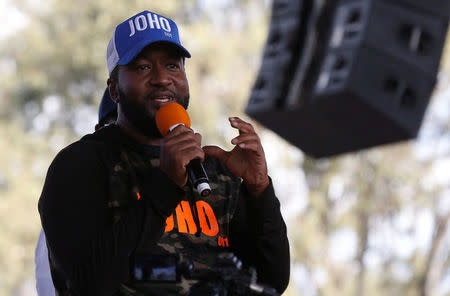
(154, 78)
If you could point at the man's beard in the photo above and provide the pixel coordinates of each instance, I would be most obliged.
(140, 118)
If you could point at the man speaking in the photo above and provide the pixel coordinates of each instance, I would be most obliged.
(119, 202)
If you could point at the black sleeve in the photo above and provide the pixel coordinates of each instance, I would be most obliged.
(258, 237)
(89, 249)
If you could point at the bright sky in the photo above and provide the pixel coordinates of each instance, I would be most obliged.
(11, 17)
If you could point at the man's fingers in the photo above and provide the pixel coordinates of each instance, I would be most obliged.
(186, 146)
(182, 134)
(248, 142)
(183, 145)
(251, 146)
(216, 152)
(242, 126)
(190, 154)
(186, 150)
(245, 138)
(179, 130)
(198, 137)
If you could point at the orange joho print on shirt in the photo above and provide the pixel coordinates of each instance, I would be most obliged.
(205, 212)
(169, 223)
(185, 219)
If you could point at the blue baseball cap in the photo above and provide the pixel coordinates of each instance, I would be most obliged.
(132, 35)
(107, 106)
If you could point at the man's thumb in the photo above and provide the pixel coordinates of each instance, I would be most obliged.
(216, 152)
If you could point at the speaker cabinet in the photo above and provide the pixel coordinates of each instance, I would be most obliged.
(349, 75)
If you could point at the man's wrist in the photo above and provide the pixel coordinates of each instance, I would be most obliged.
(257, 189)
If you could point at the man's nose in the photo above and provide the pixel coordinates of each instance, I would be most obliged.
(159, 76)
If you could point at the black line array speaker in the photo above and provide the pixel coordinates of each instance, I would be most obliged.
(340, 76)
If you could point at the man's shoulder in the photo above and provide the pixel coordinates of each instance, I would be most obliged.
(90, 145)
(105, 135)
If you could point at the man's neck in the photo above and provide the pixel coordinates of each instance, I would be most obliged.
(139, 137)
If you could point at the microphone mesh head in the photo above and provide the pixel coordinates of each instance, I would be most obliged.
(169, 115)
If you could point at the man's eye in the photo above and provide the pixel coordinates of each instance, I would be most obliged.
(143, 67)
(172, 66)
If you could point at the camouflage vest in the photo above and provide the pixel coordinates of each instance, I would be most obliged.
(181, 236)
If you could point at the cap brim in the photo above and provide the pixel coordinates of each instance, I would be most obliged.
(132, 53)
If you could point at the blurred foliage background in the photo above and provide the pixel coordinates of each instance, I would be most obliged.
(375, 222)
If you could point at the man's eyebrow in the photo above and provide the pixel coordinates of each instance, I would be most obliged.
(140, 57)
(169, 56)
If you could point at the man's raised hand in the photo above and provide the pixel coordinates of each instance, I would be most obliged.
(246, 160)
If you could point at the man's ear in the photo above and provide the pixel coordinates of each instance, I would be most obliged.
(113, 89)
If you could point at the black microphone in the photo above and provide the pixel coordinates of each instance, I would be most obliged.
(198, 177)
(168, 117)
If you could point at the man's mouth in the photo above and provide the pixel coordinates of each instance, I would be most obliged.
(164, 99)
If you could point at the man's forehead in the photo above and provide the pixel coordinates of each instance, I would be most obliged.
(160, 47)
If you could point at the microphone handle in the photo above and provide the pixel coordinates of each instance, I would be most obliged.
(198, 177)
(196, 173)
